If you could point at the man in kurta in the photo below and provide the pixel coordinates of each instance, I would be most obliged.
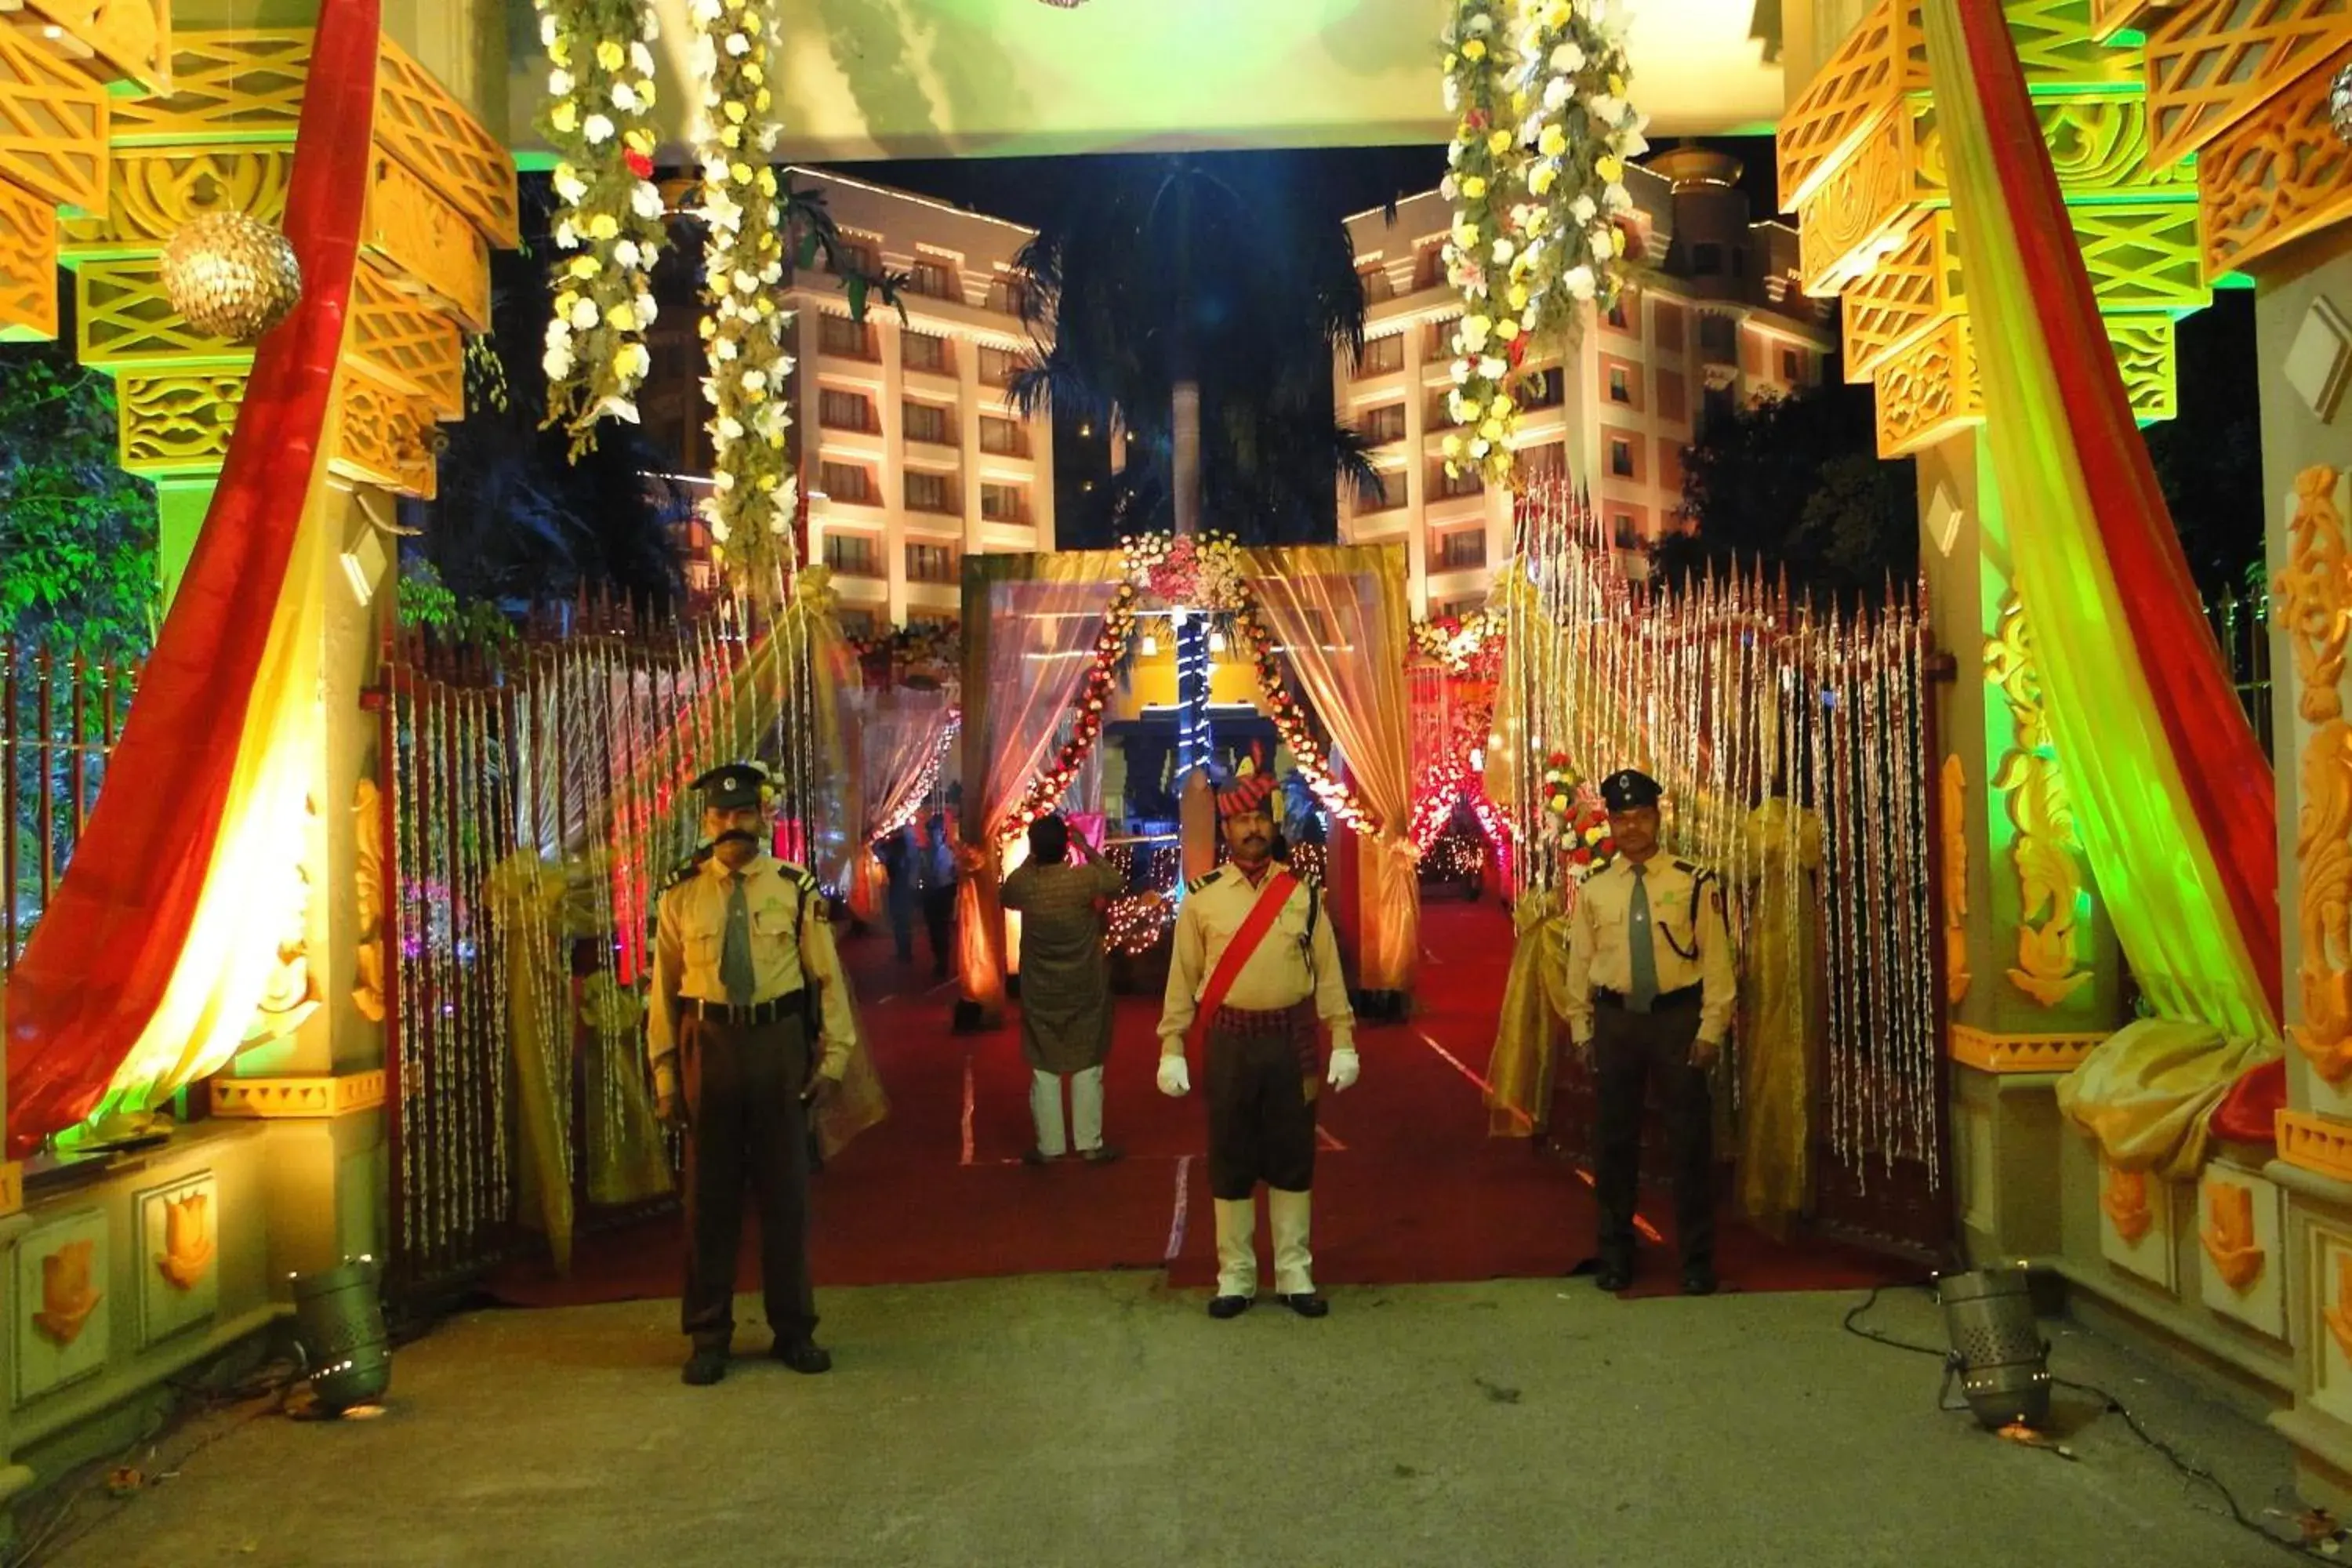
(744, 971)
(1650, 992)
(1254, 968)
(1065, 1010)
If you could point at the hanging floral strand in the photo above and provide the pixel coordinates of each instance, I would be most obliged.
(1045, 792)
(1572, 77)
(600, 90)
(1486, 180)
(754, 495)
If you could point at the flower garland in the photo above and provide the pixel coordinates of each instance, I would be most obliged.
(1045, 792)
(754, 495)
(600, 89)
(1203, 572)
(1484, 256)
(1471, 644)
(1573, 74)
(1291, 724)
(1574, 823)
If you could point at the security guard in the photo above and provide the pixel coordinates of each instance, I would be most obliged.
(741, 940)
(1651, 988)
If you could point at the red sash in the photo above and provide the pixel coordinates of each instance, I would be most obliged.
(1236, 956)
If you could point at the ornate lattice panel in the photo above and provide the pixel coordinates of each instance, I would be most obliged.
(2144, 353)
(386, 439)
(419, 123)
(123, 321)
(135, 37)
(227, 87)
(2141, 256)
(53, 125)
(28, 265)
(1928, 391)
(152, 192)
(2058, 46)
(1832, 119)
(2109, 17)
(2213, 62)
(177, 422)
(2098, 146)
(1859, 212)
(406, 343)
(1903, 296)
(2276, 178)
(421, 234)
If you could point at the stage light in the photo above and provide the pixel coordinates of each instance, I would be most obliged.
(1998, 1353)
(1150, 646)
(338, 1326)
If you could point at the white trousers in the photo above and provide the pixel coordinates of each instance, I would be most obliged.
(1085, 1111)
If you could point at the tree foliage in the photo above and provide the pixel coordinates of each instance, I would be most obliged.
(1157, 269)
(78, 562)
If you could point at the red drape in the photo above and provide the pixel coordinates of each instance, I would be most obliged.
(98, 964)
(2227, 774)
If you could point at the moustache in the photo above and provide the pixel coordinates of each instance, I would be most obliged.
(738, 836)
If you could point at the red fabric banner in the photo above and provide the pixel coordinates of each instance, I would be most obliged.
(99, 962)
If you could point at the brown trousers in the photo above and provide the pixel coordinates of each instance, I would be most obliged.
(1628, 1049)
(746, 1125)
(1260, 1114)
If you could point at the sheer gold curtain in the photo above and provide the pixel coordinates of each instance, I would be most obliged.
(892, 738)
(1339, 612)
(1030, 626)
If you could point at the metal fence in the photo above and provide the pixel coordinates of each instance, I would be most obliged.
(60, 714)
(2242, 623)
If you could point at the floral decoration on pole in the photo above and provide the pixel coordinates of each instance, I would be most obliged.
(1201, 572)
(609, 223)
(754, 495)
(1485, 261)
(1572, 77)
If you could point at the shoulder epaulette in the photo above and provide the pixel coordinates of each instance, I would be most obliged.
(1686, 867)
(688, 869)
(1197, 883)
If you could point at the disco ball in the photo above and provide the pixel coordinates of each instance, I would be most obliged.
(231, 276)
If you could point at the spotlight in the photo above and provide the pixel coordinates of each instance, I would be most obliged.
(1998, 1353)
(339, 1325)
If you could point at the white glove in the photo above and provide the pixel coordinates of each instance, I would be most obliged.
(1174, 1081)
(1344, 1066)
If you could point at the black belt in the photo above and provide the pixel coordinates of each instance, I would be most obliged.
(1688, 996)
(775, 1010)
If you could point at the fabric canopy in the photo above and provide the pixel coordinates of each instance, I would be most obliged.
(2173, 795)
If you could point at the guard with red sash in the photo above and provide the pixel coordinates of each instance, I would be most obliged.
(1254, 967)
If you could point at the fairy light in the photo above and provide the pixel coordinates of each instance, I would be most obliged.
(925, 782)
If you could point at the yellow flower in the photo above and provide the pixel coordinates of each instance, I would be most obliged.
(1520, 101)
(1476, 49)
(735, 112)
(603, 226)
(1541, 178)
(1611, 168)
(566, 298)
(1518, 297)
(1466, 237)
(767, 188)
(1492, 429)
(1503, 406)
(565, 116)
(1506, 329)
(731, 136)
(741, 172)
(622, 318)
(1617, 241)
(611, 56)
(1552, 143)
(1498, 143)
(559, 53)
(753, 74)
(586, 267)
(640, 139)
(707, 326)
(1616, 85)
(762, 100)
(1451, 61)
(1473, 188)
(1453, 446)
(1555, 14)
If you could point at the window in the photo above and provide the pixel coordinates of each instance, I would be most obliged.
(1441, 338)
(998, 366)
(1454, 609)
(1706, 260)
(1549, 461)
(1617, 317)
(840, 335)
(1009, 296)
(1388, 493)
(1621, 457)
(931, 493)
(1620, 387)
(1383, 356)
(1439, 414)
(930, 563)
(857, 256)
(1374, 280)
(1790, 369)
(1717, 335)
(1462, 482)
(1005, 437)
(845, 482)
(837, 410)
(1385, 424)
(1621, 529)
(1461, 550)
(922, 350)
(1670, 396)
(1004, 503)
(930, 422)
(933, 277)
(856, 623)
(1548, 391)
(1429, 265)
(853, 554)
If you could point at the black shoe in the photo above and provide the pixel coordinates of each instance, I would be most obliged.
(1613, 1275)
(1103, 1155)
(704, 1367)
(1307, 1304)
(804, 1356)
(1034, 1156)
(1698, 1280)
(1223, 1307)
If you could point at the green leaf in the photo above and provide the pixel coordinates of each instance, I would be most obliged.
(856, 286)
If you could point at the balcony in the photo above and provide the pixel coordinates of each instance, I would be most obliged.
(1003, 437)
(838, 337)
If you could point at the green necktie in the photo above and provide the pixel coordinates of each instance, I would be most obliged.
(1644, 989)
(735, 952)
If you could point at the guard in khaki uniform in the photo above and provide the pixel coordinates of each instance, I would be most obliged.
(1651, 988)
(741, 939)
(1254, 966)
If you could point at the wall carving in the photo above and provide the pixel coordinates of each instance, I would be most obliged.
(127, 33)
(2050, 1053)
(228, 85)
(1857, 209)
(123, 320)
(2046, 853)
(368, 898)
(291, 995)
(2281, 174)
(2144, 350)
(2228, 1235)
(2123, 1200)
(53, 125)
(1929, 390)
(177, 421)
(153, 195)
(2314, 600)
(28, 265)
(1903, 296)
(2212, 60)
(423, 237)
(1954, 822)
(384, 438)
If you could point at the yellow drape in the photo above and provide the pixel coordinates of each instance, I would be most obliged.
(1529, 1030)
(1782, 1015)
(2147, 1092)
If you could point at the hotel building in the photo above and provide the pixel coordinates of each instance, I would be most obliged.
(1719, 322)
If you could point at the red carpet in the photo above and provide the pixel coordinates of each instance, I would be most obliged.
(1408, 1186)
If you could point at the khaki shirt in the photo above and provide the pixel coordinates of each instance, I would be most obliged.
(1601, 943)
(1286, 969)
(690, 928)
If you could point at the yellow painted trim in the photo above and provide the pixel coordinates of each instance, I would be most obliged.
(297, 1097)
(1989, 1052)
(2316, 1143)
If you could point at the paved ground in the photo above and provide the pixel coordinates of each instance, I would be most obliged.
(1097, 1419)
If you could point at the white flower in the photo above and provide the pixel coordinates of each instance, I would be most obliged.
(649, 24)
(745, 283)
(547, 30)
(596, 129)
(738, 45)
(1568, 59)
(755, 381)
(704, 10)
(1461, 372)
(641, 59)
(1480, 24)
(1494, 368)
(1504, 251)
(1617, 199)
(703, 59)
(559, 84)
(566, 236)
(722, 349)
(1480, 446)
(618, 407)
(645, 200)
(646, 309)
(585, 314)
(1604, 109)
(571, 187)
(1556, 92)
(773, 272)
(722, 481)
(729, 427)
(1452, 96)
(718, 530)
(626, 254)
(1582, 210)
(624, 99)
(1581, 281)
(1446, 188)
(1629, 143)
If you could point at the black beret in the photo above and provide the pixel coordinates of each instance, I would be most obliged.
(1629, 789)
(732, 787)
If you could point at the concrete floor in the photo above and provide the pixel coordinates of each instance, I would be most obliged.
(1093, 1419)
